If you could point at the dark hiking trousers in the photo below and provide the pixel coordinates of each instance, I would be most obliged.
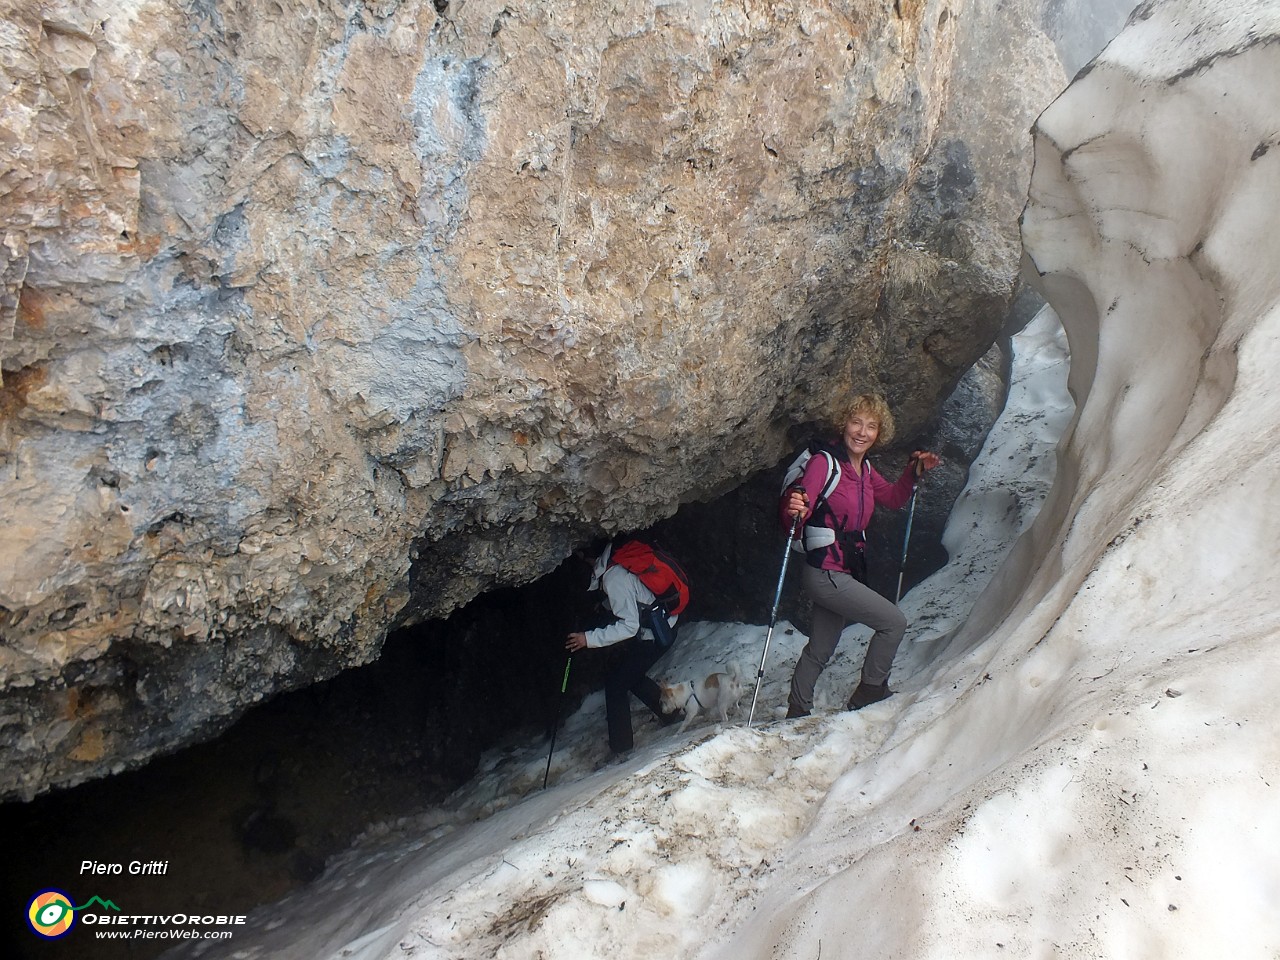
(839, 600)
(626, 678)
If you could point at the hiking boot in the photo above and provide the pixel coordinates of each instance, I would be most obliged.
(614, 758)
(795, 713)
(866, 694)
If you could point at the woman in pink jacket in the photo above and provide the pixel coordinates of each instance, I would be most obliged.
(833, 530)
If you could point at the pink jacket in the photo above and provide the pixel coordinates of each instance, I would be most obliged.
(851, 502)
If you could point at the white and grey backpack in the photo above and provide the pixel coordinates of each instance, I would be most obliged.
(814, 537)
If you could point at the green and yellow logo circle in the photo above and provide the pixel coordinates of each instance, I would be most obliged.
(50, 914)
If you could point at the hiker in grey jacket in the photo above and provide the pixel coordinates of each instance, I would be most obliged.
(626, 596)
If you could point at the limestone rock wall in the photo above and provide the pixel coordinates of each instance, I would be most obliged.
(321, 317)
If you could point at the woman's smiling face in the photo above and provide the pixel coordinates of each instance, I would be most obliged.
(860, 433)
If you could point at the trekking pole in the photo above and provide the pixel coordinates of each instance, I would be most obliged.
(773, 617)
(906, 537)
(564, 685)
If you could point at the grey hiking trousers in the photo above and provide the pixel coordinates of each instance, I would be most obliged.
(839, 600)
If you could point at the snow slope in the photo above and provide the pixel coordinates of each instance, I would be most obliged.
(1086, 764)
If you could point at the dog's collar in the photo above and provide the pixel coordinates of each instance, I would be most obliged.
(693, 695)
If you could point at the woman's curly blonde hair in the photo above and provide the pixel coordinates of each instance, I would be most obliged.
(874, 407)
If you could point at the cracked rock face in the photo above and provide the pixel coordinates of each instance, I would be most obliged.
(326, 318)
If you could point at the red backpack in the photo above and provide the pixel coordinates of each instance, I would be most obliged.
(657, 570)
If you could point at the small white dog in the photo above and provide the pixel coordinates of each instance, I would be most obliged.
(716, 691)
